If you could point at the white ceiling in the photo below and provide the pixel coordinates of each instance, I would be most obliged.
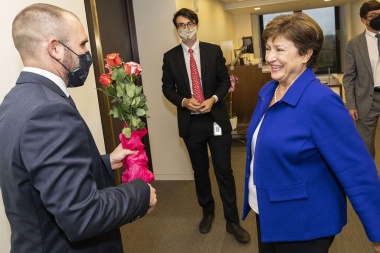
(274, 6)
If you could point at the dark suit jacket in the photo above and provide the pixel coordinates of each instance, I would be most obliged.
(215, 81)
(56, 186)
(358, 76)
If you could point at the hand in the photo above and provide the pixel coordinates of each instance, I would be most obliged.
(153, 199)
(207, 105)
(118, 155)
(354, 114)
(192, 104)
(376, 245)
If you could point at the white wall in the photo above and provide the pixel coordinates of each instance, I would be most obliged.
(357, 26)
(243, 28)
(169, 155)
(11, 65)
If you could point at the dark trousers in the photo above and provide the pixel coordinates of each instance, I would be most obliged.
(200, 136)
(320, 245)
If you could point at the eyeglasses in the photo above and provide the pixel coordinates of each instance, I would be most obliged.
(182, 26)
(372, 16)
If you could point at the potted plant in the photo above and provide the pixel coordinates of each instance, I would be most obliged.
(233, 118)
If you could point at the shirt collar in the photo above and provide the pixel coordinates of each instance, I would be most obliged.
(195, 47)
(54, 78)
(369, 33)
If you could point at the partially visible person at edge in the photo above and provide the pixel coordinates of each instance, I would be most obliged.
(203, 118)
(57, 189)
(361, 77)
(304, 154)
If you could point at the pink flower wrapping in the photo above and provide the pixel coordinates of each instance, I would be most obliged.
(136, 165)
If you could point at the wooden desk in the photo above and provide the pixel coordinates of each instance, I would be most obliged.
(245, 96)
(337, 88)
(335, 84)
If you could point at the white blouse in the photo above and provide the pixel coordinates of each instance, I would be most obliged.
(252, 194)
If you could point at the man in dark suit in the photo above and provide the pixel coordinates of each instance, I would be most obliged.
(361, 78)
(195, 79)
(57, 189)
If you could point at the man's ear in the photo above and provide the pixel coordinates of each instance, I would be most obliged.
(55, 49)
(364, 21)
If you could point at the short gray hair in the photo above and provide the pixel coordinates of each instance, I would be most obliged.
(36, 23)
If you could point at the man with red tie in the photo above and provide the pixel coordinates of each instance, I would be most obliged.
(195, 79)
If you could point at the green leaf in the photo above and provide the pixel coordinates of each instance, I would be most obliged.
(142, 125)
(135, 121)
(138, 90)
(114, 75)
(126, 108)
(140, 112)
(121, 74)
(120, 91)
(112, 90)
(127, 132)
(136, 103)
(130, 87)
(114, 112)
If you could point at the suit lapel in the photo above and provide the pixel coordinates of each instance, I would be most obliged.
(204, 56)
(363, 49)
(182, 66)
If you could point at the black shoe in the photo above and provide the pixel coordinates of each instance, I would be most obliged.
(240, 234)
(206, 222)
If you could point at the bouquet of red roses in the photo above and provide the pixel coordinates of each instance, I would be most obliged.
(129, 105)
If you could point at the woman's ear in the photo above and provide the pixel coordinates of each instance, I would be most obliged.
(308, 54)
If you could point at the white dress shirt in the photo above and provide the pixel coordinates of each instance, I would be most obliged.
(252, 194)
(197, 58)
(373, 56)
(54, 78)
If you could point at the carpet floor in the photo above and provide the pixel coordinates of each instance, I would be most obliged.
(173, 226)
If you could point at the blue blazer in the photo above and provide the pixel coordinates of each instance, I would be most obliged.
(56, 187)
(308, 157)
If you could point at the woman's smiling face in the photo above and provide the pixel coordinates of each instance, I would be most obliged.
(284, 60)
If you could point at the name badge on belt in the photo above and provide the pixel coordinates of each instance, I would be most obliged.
(217, 130)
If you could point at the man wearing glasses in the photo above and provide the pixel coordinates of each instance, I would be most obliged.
(361, 78)
(195, 79)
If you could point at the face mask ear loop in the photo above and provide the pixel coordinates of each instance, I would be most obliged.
(62, 65)
(68, 48)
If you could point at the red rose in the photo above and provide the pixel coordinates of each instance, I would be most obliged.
(132, 68)
(105, 79)
(127, 69)
(113, 60)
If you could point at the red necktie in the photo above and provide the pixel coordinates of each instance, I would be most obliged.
(195, 79)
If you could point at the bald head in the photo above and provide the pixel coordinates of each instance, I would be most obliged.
(36, 24)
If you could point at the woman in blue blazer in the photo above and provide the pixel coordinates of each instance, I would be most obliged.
(304, 154)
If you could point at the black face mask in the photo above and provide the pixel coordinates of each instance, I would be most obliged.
(375, 23)
(78, 76)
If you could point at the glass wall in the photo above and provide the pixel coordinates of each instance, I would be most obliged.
(325, 17)
(328, 19)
